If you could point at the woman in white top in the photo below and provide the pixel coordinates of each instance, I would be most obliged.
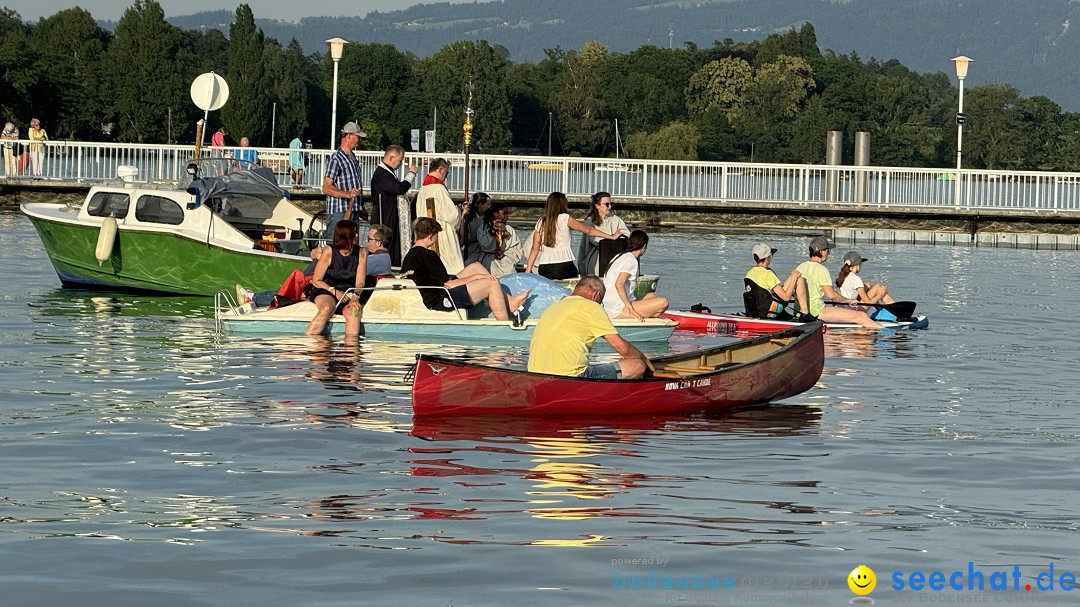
(852, 286)
(551, 252)
(620, 280)
(601, 218)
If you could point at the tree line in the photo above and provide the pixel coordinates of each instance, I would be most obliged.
(772, 100)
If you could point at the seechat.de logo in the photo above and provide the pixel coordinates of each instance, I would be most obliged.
(862, 581)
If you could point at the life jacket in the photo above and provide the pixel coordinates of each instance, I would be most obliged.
(760, 303)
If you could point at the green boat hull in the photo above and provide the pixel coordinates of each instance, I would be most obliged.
(161, 262)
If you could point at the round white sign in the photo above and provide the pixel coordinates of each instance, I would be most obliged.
(209, 92)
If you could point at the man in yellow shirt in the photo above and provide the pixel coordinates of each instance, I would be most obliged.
(565, 334)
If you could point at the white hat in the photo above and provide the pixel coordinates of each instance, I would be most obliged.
(762, 250)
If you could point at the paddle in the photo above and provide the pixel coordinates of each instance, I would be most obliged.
(899, 309)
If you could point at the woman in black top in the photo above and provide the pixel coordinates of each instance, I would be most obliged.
(342, 266)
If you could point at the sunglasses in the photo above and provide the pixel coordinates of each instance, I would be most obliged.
(605, 204)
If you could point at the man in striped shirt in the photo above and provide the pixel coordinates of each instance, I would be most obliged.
(341, 184)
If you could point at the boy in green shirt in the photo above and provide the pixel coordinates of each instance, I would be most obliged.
(764, 277)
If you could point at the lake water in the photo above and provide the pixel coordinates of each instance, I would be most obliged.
(148, 462)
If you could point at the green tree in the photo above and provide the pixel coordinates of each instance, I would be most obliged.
(373, 83)
(247, 112)
(476, 65)
(902, 120)
(718, 84)
(801, 43)
(200, 53)
(530, 88)
(810, 130)
(287, 70)
(576, 98)
(990, 132)
(18, 69)
(1066, 152)
(70, 46)
(646, 89)
(143, 75)
(675, 141)
(717, 140)
(771, 100)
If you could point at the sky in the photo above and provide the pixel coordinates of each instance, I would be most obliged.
(110, 10)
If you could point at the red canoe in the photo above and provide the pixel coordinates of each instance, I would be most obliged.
(739, 374)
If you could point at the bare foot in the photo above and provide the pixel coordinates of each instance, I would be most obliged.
(518, 300)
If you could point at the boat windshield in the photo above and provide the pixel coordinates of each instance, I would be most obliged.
(249, 193)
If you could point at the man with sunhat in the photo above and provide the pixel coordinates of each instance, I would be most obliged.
(341, 183)
(782, 292)
(819, 286)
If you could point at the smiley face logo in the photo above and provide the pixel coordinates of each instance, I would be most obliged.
(862, 580)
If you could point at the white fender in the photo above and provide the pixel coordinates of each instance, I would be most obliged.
(105, 240)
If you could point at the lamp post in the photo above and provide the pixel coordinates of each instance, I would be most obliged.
(961, 73)
(337, 45)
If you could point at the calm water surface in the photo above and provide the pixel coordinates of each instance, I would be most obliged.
(149, 462)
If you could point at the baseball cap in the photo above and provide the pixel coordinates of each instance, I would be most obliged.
(852, 258)
(351, 128)
(762, 250)
(820, 243)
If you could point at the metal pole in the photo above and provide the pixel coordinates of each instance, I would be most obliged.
(959, 144)
(273, 123)
(333, 109)
(551, 126)
(834, 145)
(862, 159)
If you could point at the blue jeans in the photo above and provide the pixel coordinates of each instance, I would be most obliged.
(603, 371)
(331, 221)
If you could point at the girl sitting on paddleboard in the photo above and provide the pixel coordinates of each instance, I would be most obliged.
(852, 286)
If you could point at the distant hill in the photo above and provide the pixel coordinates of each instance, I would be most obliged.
(1027, 43)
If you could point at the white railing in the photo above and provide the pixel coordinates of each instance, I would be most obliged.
(533, 177)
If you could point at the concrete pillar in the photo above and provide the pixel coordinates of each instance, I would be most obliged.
(834, 146)
(862, 159)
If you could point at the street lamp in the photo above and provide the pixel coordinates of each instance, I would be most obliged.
(337, 45)
(961, 73)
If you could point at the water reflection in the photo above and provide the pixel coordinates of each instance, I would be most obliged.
(88, 304)
(885, 344)
(778, 420)
(481, 468)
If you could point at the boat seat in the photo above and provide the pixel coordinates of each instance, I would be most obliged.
(399, 299)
